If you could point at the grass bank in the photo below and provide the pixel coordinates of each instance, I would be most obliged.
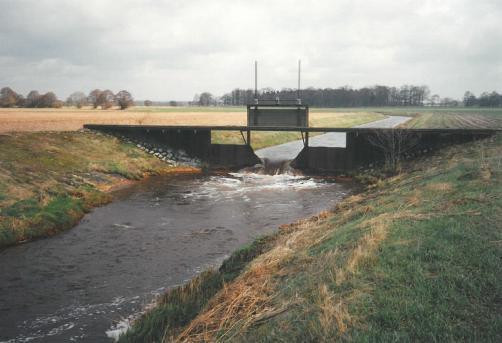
(417, 257)
(49, 180)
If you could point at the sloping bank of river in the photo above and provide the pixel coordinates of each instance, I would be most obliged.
(49, 180)
(416, 257)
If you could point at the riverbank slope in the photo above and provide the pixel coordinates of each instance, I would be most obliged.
(416, 258)
(48, 180)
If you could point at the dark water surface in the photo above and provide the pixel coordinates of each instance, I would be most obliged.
(156, 234)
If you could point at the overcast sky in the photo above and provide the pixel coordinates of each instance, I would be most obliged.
(172, 49)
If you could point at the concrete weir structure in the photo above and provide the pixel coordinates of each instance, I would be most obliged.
(361, 147)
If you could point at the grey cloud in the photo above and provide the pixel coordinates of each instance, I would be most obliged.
(173, 49)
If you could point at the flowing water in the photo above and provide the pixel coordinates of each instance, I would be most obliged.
(155, 235)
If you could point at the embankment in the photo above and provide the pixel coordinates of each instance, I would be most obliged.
(49, 180)
(416, 257)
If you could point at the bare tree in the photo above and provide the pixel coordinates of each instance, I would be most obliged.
(393, 143)
(470, 99)
(148, 103)
(49, 99)
(206, 99)
(21, 101)
(435, 100)
(196, 100)
(124, 99)
(93, 97)
(32, 99)
(8, 98)
(77, 99)
(106, 99)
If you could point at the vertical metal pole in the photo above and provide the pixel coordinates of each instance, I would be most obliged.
(249, 137)
(299, 99)
(256, 82)
(307, 133)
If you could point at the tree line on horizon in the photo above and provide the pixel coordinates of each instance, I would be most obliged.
(97, 98)
(376, 96)
(486, 99)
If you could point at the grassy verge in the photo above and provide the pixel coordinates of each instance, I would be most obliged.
(265, 139)
(417, 257)
(49, 180)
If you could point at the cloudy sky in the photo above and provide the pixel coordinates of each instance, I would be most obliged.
(172, 49)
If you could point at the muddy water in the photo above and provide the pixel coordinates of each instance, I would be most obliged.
(156, 234)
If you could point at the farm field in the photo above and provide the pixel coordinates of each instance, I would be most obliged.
(456, 120)
(31, 120)
(70, 119)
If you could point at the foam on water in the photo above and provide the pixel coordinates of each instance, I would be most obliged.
(65, 319)
(242, 183)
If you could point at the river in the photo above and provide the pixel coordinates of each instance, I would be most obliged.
(156, 234)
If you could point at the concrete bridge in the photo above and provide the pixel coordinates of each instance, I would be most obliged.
(360, 149)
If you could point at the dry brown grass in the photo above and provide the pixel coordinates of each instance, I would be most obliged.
(249, 299)
(333, 310)
(440, 187)
(240, 304)
(70, 119)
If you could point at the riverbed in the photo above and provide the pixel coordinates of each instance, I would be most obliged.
(157, 234)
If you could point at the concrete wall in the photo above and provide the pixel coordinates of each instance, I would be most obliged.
(360, 151)
(194, 142)
(232, 155)
(323, 159)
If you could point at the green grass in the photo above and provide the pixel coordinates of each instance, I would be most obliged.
(435, 275)
(49, 180)
(417, 257)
